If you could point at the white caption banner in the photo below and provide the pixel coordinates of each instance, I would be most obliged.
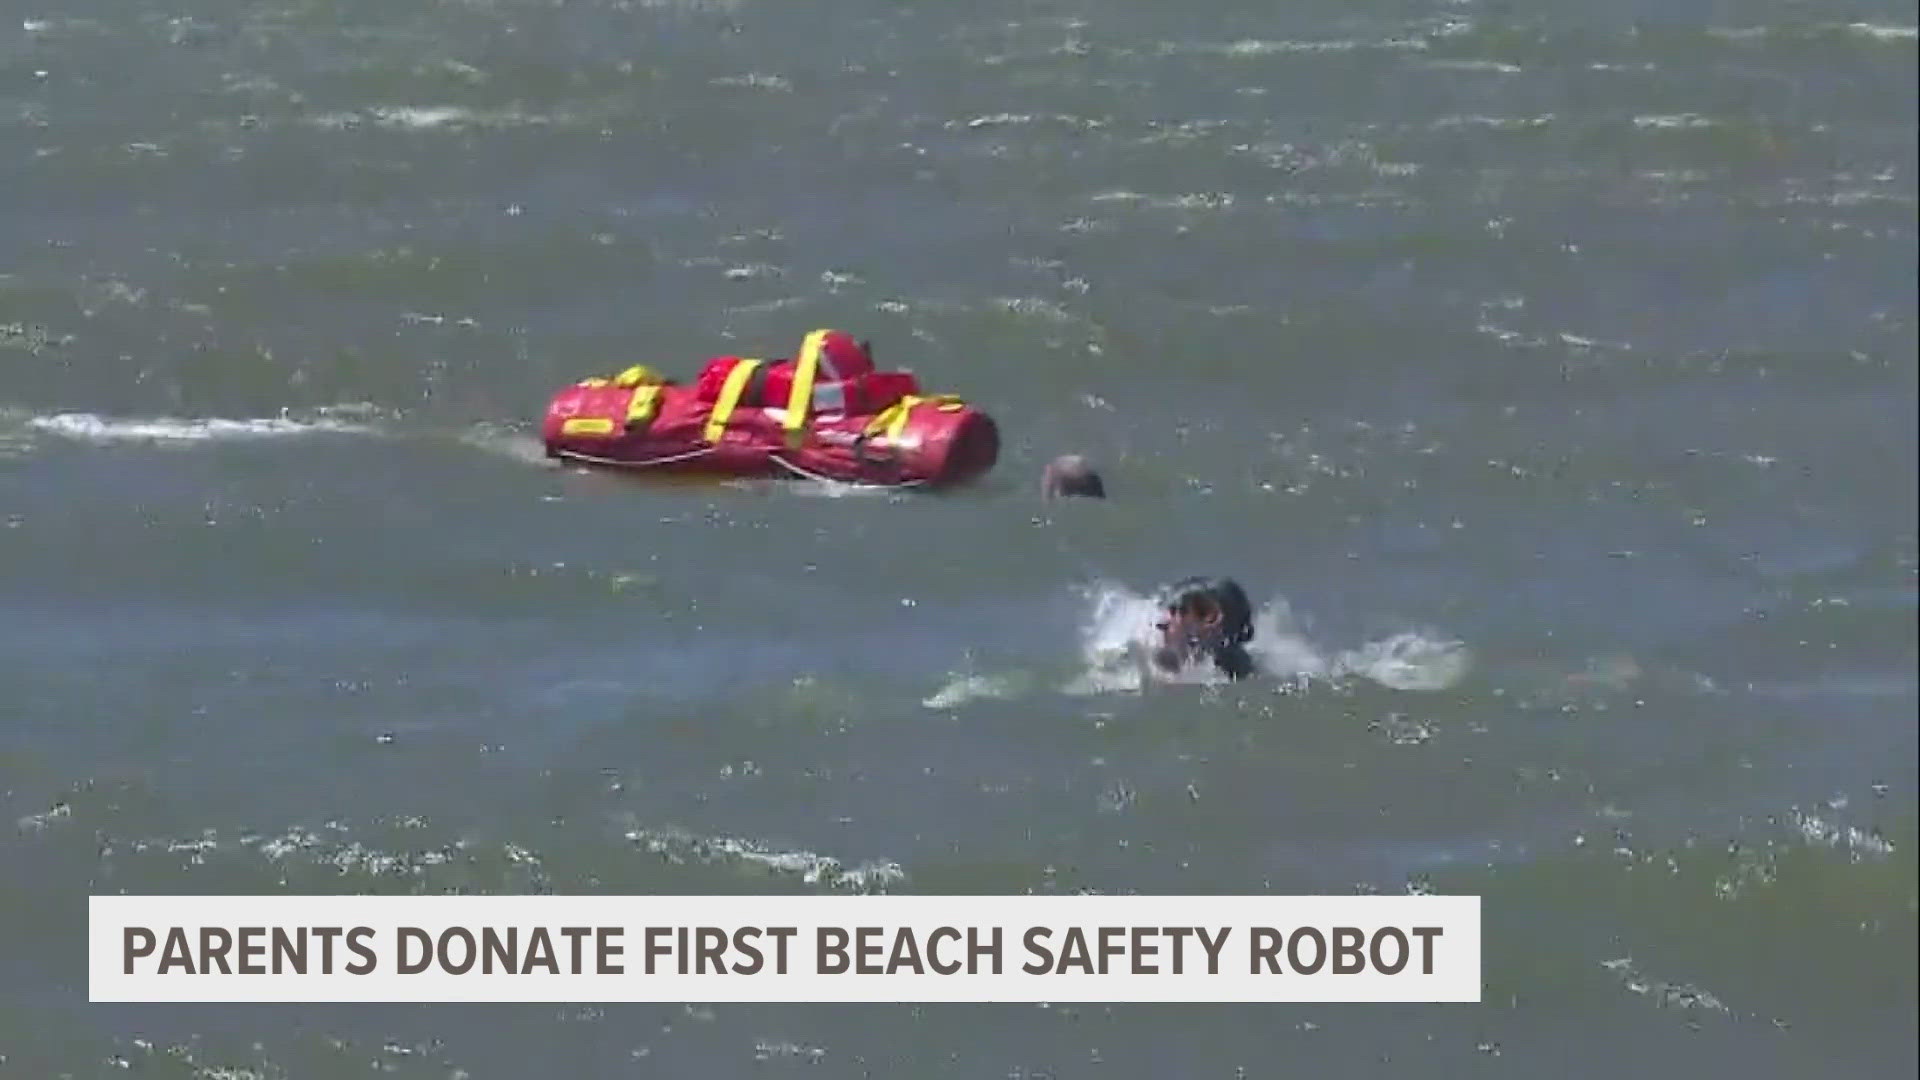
(784, 948)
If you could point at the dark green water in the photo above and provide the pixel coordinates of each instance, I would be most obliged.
(1548, 370)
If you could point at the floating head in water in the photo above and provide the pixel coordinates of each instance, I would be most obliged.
(1206, 618)
(1072, 476)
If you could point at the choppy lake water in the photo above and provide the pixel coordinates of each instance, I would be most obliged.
(1547, 370)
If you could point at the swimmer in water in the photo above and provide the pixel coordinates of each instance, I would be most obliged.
(1202, 618)
(1205, 618)
(1071, 476)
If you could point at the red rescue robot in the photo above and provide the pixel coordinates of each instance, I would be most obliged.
(825, 414)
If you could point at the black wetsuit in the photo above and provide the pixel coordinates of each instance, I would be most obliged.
(1234, 661)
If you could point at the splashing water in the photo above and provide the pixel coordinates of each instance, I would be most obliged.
(1118, 636)
(1405, 661)
(510, 442)
(90, 427)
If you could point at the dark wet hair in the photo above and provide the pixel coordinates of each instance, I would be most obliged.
(1072, 476)
(1220, 600)
(1198, 595)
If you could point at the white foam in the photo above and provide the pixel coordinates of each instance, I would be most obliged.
(679, 847)
(765, 307)
(1252, 47)
(1406, 661)
(1119, 636)
(329, 846)
(1201, 200)
(422, 117)
(1856, 842)
(1495, 66)
(427, 118)
(834, 489)
(756, 81)
(1007, 119)
(510, 443)
(1509, 337)
(1885, 33)
(769, 1049)
(1034, 307)
(1579, 342)
(32, 823)
(997, 120)
(693, 5)
(1675, 121)
(1667, 995)
(965, 688)
(1496, 123)
(1873, 31)
(92, 427)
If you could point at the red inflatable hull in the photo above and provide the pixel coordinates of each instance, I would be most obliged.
(639, 422)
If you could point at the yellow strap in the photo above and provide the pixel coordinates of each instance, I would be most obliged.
(643, 404)
(730, 392)
(586, 425)
(637, 375)
(800, 394)
(893, 420)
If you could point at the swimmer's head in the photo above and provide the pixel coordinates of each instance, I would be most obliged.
(1071, 476)
(1205, 617)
